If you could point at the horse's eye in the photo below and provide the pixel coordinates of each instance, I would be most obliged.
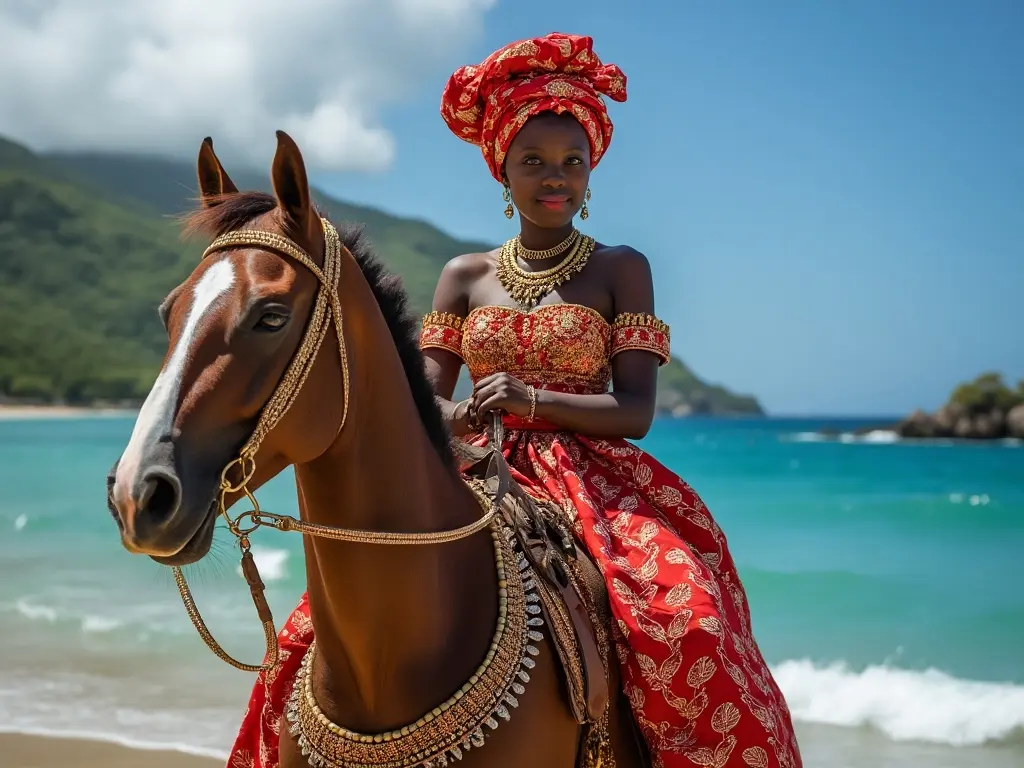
(271, 321)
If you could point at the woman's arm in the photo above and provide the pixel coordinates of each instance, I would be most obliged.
(443, 366)
(628, 410)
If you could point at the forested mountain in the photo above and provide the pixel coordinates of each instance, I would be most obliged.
(88, 248)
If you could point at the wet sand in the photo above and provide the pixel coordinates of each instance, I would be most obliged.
(822, 747)
(18, 751)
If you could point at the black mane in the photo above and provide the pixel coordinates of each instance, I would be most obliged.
(236, 210)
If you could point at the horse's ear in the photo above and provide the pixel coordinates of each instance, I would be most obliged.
(214, 181)
(291, 187)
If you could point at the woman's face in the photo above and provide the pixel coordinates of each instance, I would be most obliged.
(548, 169)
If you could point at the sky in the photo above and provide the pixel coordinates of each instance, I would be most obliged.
(831, 194)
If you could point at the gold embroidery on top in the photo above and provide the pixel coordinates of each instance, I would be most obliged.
(562, 346)
(442, 318)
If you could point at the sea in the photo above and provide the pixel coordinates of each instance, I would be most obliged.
(886, 582)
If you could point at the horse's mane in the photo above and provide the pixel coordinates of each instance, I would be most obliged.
(236, 210)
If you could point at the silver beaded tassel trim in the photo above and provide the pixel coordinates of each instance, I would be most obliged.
(446, 755)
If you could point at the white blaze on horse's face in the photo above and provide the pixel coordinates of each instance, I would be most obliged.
(156, 417)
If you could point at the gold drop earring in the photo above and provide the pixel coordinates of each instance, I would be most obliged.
(584, 211)
(507, 197)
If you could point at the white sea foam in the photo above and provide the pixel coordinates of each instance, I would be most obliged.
(807, 437)
(880, 436)
(98, 709)
(35, 611)
(272, 563)
(875, 437)
(974, 499)
(904, 705)
(20, 522)
(889, 437)
(154, 618)
(100, 624)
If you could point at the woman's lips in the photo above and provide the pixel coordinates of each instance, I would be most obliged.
(554, 202)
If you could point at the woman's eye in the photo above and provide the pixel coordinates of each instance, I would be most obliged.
(574, 160)
(271, 321)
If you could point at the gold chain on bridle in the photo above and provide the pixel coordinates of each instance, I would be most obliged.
(327, 305)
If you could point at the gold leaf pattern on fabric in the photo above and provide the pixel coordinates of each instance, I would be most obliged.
(725, 718)
(755, 757)
(702, 670)
(680, 594)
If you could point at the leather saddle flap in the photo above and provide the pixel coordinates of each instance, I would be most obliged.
(547, 545)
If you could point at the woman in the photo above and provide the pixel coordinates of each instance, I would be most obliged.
(542, 348)
(544, 324)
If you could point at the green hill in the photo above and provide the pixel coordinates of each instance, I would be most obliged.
(88, 249)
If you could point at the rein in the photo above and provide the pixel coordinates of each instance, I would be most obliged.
(327, 305)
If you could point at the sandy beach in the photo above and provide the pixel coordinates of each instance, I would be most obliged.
(20, 751)
(822, 747)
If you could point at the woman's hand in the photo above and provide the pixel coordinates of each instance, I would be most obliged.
(501, 391)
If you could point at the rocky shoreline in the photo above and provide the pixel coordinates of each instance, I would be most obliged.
(956, 421)
(983, 409)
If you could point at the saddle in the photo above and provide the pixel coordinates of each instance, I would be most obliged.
(573, 594)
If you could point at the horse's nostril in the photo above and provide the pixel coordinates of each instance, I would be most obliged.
(160, 497)
(112, 507)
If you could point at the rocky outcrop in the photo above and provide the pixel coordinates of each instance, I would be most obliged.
(984, 409)
(1015, 422)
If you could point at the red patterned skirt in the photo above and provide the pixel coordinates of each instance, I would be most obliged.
(695, 678)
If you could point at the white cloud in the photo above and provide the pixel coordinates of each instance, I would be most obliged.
(159, 75)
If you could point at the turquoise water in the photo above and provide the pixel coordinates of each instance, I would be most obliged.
(886, 583)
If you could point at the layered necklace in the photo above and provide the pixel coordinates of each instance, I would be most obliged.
(527, 288)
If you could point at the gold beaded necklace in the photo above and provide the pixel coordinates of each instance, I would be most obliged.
(527, 288)
(527, 254)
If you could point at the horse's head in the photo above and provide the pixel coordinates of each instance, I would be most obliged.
(239, 352)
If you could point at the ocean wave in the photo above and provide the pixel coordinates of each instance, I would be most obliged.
(905, 705)
(875, 436)
(272, 563)
(890, 437)
(35, 611)
(82, 706)
(806, 437)
(148, 618)
(974, 499)
(100, 624)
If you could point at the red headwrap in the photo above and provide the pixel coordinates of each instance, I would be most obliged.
(487, 104)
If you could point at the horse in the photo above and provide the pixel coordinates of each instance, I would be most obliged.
(405, 635)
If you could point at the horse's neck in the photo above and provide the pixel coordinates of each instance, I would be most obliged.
(396, 625)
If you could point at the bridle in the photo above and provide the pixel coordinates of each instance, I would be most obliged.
(327, 306)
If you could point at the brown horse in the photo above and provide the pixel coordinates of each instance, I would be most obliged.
(398, 628)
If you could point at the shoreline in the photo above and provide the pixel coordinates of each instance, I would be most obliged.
(16, 411)
(822, 745)
(24, 750)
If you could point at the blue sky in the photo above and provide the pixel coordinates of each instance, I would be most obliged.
(831, 194)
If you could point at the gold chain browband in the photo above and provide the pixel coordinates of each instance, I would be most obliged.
(457, 724)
